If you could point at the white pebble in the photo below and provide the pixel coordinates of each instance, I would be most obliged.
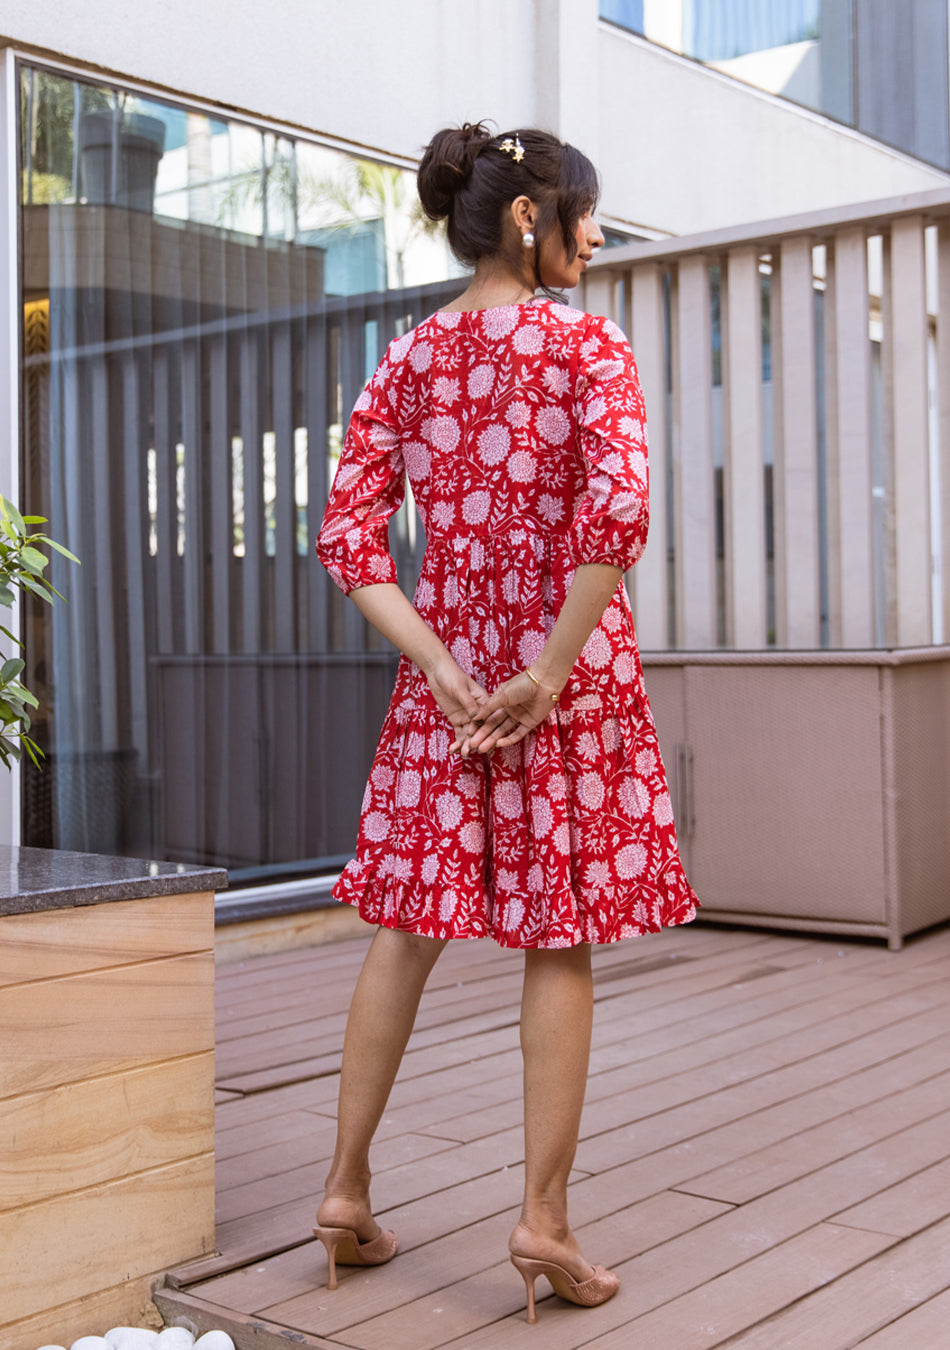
(214, 1340)
(52, 1347)
(91, 1343)
(131, 1338)
(175, 1338)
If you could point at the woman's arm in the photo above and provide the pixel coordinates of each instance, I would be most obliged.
(519, 705)
(388, 610)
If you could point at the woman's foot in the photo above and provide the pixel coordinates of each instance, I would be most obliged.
(351, 1235)
(338, 1211)
(560, 1249)
(559, 1259)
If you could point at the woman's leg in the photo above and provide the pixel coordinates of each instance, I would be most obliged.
(556, 1017)
(381, 1018)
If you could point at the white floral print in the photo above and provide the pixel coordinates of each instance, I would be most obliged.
(523, 435)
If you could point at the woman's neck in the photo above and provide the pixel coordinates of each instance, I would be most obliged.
(492, 286)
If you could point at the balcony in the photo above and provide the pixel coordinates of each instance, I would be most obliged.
(763, 1155)
(794, 599)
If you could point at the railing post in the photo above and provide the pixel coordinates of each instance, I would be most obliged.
(650, 576)
(848, 438)
(795, 474)
(693, 483)
(600, 291)
(943, 410)
(743, 468)
(905, 337)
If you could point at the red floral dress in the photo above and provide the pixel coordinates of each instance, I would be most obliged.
(522, 432)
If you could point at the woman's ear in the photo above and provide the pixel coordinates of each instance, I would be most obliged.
(523, 213)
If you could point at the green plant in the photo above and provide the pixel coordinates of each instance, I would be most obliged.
(21, 568)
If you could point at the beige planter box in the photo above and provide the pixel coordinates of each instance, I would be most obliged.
(106, 1086)
(812, 789)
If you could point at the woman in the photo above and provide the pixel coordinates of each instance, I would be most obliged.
(517, 790)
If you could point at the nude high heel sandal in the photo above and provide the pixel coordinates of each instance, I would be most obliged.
(601, 1286)
(344, 1246)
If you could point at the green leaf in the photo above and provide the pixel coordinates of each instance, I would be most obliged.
(16, 520)
(33, 559)
(11, 669)
(64, 551)
(34, 751)
(35, 520)
(38, 587)
(6, 595)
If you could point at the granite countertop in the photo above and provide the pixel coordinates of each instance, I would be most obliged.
(36, 879)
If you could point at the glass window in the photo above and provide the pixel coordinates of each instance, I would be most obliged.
(626, 13)
(714, 31)
(875, 65)
(203, 301)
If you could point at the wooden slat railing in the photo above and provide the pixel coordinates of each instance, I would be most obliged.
(843, 446)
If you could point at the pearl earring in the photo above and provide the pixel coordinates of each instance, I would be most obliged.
(528, 239)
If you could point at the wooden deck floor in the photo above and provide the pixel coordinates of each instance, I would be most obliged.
(765, 1155)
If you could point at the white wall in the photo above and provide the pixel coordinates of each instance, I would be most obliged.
(681, 148)
(685, 149)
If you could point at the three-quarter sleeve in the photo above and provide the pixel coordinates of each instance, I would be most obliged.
(368, 487)
(611, 521)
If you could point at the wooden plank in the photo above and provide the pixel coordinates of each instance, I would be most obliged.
(103, 1021)
(467, 1258)
(756, 1291)
(664, 1114)
(795, 474)
(905, 1208)
(905, 336)
(95, 1131)
(732, 1056)
(848, 439)
(250, 1333)
(55, 1251)
(778, 1230)
(862, 1302)
(743, 459)
(624, 1080)
(289, 1288)
(925, 1325)
(760, 1171)
(650, 578)
(693, 479)
(54, 943)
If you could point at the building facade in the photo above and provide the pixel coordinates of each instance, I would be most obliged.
(208, 237)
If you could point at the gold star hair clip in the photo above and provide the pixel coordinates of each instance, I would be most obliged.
(514, 148)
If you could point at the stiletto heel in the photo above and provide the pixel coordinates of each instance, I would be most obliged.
(343, 1245)
(529, 1274)
(590, 1293)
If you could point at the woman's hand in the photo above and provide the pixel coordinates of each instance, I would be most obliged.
(459, 696)
(515, 708)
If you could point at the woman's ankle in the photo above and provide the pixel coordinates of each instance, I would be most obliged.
(539, 1238)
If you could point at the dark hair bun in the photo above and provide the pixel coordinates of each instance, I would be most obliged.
(447, 166)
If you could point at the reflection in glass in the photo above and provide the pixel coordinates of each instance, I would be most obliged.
(203, 301)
